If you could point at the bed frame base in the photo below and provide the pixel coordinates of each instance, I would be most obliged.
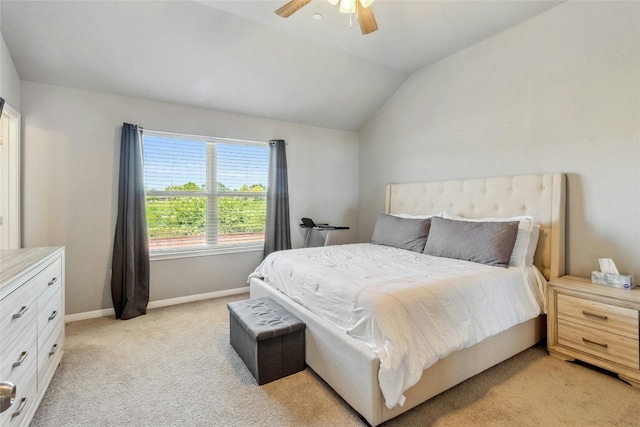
(351, 368)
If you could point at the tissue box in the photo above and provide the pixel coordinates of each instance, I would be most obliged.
(615, 280)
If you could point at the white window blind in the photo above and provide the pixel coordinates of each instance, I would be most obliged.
(203, 192)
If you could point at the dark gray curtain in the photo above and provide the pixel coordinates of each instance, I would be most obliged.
(278, 231)
(130, 263)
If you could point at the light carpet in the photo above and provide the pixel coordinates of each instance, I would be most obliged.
(175, 367)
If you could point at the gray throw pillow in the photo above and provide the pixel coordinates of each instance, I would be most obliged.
(403, 233)
(484, 242)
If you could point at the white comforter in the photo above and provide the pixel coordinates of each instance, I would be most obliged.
(411, 309)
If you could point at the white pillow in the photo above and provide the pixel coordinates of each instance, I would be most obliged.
(410, 216)
(534, 235)
(526, 241)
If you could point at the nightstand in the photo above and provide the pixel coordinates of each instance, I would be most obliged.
(596, 324)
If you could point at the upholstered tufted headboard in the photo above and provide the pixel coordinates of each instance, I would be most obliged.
(541, 196)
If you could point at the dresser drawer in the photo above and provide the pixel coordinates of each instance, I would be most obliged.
(18, 362)
(49, 315)
(24, 406)
(50, 280)
(612, 347)
(605, 317)
(17, 310)
(49, 353)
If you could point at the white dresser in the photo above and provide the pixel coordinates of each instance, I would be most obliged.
(31, 326)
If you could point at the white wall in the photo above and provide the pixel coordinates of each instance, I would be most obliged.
(70, 165)
(557, 93)
(9, 80)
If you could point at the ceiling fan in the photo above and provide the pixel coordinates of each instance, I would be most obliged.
(362, 9)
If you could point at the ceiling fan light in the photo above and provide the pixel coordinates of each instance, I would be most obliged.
(334, 2)
(348, 6)
(365, 3)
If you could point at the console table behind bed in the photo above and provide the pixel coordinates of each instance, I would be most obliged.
(352, 371)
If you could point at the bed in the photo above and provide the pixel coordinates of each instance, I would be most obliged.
(353, 371)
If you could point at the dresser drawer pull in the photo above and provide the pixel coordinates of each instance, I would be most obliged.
(23, 403)
(54, 313)
(588, 341)
(22, 311)
(52, 281)
(599, 316)
(53, 349)
(21, 359)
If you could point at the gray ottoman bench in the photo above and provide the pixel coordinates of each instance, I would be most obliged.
(268, 338)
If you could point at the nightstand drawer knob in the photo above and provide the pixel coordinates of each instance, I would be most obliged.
(599, 344)
(598, 316)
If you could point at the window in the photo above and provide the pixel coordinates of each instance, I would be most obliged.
(204, 194)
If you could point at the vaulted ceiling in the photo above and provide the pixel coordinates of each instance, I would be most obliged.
(239, 56)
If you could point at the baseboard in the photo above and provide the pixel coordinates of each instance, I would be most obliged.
(89, 315)
(106, 312)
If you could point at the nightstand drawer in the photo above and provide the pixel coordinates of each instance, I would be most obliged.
(612, 347)
(605, 317)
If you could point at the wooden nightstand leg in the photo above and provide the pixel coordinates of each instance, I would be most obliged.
(635, 383)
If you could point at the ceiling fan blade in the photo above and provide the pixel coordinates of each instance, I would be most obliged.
(367, 21)
(292, 7)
